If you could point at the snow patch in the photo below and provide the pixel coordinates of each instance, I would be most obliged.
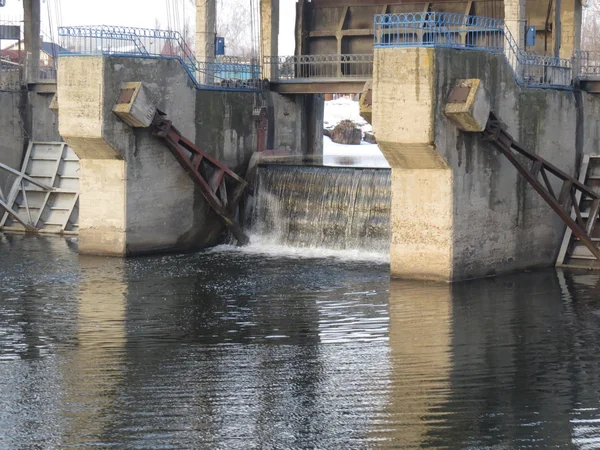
(344, 109)
(364, 155)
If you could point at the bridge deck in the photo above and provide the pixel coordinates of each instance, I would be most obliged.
(342, 85)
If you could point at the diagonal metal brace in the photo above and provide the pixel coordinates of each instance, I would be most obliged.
(209, 174)
(495, 133)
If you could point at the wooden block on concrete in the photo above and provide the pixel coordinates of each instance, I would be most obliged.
(468, 106)
(134, 105)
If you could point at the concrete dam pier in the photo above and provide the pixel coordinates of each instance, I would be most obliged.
(452, 207)
(135, 197)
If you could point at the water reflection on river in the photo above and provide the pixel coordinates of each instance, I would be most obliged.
(226, 349)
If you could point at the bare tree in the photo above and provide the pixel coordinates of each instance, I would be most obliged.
(590, 30)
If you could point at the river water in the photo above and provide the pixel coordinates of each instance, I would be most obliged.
(230, 349)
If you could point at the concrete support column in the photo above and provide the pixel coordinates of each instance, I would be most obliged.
(269, 35)
(514, 18)
(314, 105)
(135, 198)
(570, 27)
(206, 32)
(31, 9)
(422, 195)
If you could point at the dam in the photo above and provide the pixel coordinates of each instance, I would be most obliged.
(457, 210)
(189, 259)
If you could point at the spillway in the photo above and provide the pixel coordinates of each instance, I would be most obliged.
(320, 207)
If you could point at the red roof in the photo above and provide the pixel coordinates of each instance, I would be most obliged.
(12, 55)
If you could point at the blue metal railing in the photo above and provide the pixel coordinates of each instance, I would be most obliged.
(535, 70)
(439, 30)
(160, 44)
(462, 31)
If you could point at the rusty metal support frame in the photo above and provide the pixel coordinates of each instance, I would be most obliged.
(495, 133)
(207, 173)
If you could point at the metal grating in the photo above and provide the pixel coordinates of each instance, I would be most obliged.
(44, 196)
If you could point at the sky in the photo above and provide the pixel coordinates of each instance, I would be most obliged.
(136, 13)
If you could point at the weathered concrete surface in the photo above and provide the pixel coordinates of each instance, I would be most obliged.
(421, 223)
(422, 202)
(163, 209)
(296, 123)
(81, 107)
(102, 207)
(514, 18)
(403, 82)
(225, 126)
(206, 18)
(570, 28)
(12, 136)
(23, 115)
(269, 34)
(494, 221)
(500, 223)
(31, 38)
(42, 123)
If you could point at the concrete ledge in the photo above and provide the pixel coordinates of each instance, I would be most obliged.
(412, 156)
(315, 86)
(44, 87)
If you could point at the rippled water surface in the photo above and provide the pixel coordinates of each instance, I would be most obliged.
(227, 349)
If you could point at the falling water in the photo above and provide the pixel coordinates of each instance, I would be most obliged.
(323, 207)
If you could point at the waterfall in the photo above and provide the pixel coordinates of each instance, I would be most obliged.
(339, 208)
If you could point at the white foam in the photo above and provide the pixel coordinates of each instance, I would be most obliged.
(261, 246)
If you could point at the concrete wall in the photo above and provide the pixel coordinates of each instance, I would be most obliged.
(24, 116)
(495, 221)
(43, 123)
(161, 208)
(500, 223)
(225, 126)
(588, 124)
(296, 123)
(12, 133)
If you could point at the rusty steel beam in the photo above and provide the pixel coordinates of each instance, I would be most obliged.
(351, 86)
(495, 133)
(207, 172)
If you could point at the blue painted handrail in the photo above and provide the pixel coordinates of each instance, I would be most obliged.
(462, 31)
(159, 44)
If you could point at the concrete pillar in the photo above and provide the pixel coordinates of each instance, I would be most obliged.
(269, 35)
(514, 18)
(135, 198)
(314, 105)
(206, 29)
(31, 9)
(422, 195)
(570, 27)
